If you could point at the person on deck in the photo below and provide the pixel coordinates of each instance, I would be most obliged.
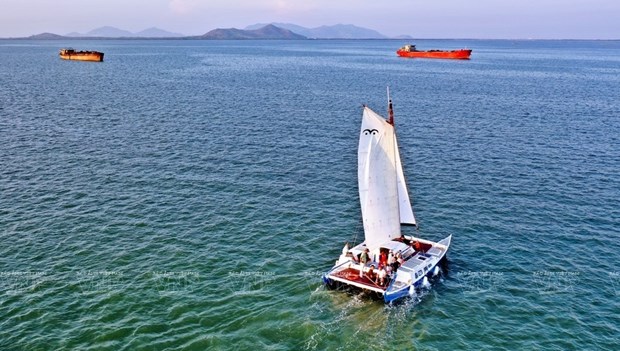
(391, 258)
(382, 258)
(416, 246)
(399, 261)
(381, 276)
(371, 273)
(389, 272)
(364, 258)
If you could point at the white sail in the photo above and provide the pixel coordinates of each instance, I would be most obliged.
(404, 203)
(378, 180)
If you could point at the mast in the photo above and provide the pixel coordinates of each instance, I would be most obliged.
(390, 109)
(404, 202)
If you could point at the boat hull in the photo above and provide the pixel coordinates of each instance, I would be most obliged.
(93, 56)
(386, 296)
(462, 54)
(353, 289)
(345, 275)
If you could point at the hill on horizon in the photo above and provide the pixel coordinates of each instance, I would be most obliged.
(337, 31)
(113, 32)
(266, 32)
(255, 31)
(46, 36)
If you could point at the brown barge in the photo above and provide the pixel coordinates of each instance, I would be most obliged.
(71, 54)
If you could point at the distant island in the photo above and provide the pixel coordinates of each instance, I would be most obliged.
(112, 32)
(338, 31)
(266, 32)
(280, 31)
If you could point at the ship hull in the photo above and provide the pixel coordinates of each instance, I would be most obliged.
(348, 274)
(462, 54)
(83, 56)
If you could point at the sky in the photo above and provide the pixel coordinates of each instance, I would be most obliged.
(484, 19)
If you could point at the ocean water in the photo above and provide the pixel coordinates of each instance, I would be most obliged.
(187, 195)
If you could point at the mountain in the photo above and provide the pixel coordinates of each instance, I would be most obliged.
(338, 31)
(46, 36)
(346, 31)
(266, 32)
(256, 31)
(157, 33)
(292, 27)
(109, 32)
(112, 32)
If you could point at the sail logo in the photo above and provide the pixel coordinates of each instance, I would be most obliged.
(370, 131)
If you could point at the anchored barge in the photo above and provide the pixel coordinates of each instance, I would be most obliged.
(71, 54)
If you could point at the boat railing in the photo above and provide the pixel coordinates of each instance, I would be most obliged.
(336, 267)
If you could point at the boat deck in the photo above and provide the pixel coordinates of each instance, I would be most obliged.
(417, 245)
(353, 275)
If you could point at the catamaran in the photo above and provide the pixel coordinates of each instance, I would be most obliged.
(387, 263)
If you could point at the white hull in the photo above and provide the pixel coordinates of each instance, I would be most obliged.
(411, 274)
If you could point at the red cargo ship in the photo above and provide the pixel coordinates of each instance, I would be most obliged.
(410, 51)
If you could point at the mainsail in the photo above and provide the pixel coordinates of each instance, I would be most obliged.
(383, 193)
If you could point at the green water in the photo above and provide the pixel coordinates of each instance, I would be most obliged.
(188, 195)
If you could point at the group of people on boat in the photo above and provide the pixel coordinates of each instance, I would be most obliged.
(387, 264)
(381, 268)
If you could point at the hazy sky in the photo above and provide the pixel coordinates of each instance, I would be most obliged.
(578, 19)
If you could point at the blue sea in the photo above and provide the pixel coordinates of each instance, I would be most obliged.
(188, 195)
